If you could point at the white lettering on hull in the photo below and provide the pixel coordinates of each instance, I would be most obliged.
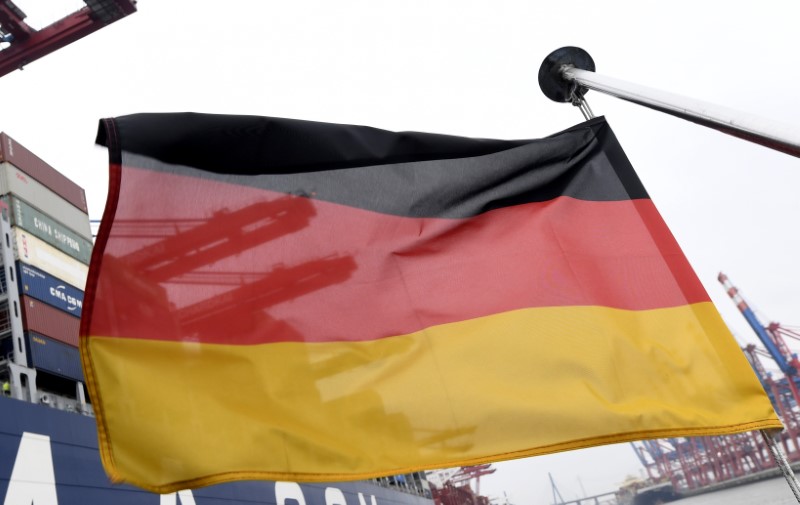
(33, 479)
(334, 496)
(185, 497)
(288, 491)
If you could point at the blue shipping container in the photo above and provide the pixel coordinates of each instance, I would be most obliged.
(48, 289)
(53, 356)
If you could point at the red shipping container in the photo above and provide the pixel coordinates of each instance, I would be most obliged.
(49, 321)
(16, 154)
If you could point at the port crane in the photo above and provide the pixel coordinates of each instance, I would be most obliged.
(696, 462)
(467, 473)
(457, 490)
(22, 44)
(771, 336)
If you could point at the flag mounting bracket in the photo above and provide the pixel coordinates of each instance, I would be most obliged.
(556, 87)
(570, 71)
(580, 102)
(552, 81)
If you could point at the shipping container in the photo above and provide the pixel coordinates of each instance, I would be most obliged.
(13, 152)
(49, 321)
(16, 182)
(48, 289)
(38, 253)
(52, 356)
(35, 222)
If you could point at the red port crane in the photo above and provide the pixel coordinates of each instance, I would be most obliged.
(26, 44)
(467, 473)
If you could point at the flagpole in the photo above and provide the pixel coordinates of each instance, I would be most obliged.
(568, 73)
(783, 463)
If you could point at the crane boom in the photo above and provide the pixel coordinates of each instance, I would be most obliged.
(27, 44)
(786, 367)
(772, 340)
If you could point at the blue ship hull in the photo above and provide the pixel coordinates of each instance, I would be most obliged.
(50, 457)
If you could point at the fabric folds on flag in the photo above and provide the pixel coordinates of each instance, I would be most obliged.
(290, 300)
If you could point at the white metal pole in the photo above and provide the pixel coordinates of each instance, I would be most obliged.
(566, 64)
(783, 463)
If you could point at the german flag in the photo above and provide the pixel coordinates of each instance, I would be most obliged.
(290, 300)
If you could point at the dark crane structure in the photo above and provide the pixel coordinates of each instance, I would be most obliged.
(23, 44)
(457, 490)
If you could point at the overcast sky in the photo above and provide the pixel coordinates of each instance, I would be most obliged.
(468, 68)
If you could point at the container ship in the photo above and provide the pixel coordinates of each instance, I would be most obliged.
(48, 437)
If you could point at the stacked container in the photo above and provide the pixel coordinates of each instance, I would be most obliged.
(52, 243)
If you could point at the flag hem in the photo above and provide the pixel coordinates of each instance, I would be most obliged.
(114, 183)
(764, 424)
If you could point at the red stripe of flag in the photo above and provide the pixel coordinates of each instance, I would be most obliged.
(367, 275)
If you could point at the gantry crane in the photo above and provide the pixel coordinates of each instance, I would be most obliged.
(769, 336)
(23, 44)
(692, 463)
(467, 473)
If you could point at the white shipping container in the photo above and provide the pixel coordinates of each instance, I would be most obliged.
(17, 182)
(37, 252)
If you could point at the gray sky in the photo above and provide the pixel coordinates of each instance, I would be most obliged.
(469, 68)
